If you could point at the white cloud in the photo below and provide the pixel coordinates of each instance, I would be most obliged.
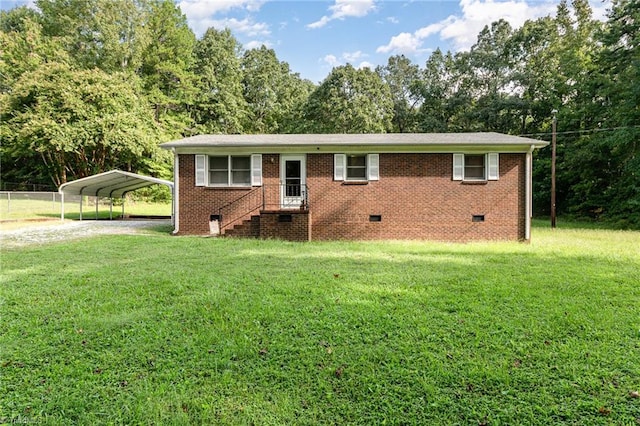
(202, 9)
(319, 24)
(403, 43)
(331, 60)
(245, 26)
(365, 64)
(200, 13)
(345, 9)
(425, 32)
(393, 20)
(256, 44)
(353, 56)
(462, 30)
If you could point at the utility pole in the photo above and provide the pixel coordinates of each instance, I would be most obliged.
(553, 169)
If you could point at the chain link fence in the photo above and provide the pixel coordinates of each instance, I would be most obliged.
(16, 205)
(26, 186)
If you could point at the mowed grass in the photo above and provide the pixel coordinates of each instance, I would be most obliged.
(154, 329)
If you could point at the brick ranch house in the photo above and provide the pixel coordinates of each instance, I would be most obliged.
(450, 187)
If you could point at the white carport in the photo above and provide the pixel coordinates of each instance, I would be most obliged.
(112, 184)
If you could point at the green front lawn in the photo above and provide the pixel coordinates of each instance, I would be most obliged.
(154, 329)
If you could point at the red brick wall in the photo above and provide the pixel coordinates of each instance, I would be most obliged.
(415, 196)
(197, 203)
(417, 199)
(299, 229)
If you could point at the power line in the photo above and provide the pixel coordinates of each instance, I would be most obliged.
(572, 132)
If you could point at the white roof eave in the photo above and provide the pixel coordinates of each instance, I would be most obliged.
(388, 142)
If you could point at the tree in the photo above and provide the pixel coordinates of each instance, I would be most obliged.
(25, 48)
(99, 33)
(13, 20)
(534, 74)
(608, 178)
(220, 106)
(166, 66)
(69, 124)
(446, 93)
(498, 106)
(272, 92)
(403, 79)
(350, 101)
(150, 38)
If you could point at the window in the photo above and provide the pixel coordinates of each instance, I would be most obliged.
(218, 171)
(475, 167)
(356, 167)
(228, 170)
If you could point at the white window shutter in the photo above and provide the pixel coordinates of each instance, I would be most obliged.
(201, 170)
(256, 170)
(373, 166)
(458, 166)
(493, 168)
(339, 166)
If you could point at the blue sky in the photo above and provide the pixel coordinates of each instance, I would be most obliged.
(315, 36)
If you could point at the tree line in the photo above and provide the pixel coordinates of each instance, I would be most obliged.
(88, 86)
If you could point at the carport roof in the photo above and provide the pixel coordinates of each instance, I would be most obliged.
(112, 184)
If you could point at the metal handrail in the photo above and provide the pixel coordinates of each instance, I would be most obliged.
(259, 198)
(253, 206)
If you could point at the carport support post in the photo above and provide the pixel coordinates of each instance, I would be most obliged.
(81, 197)
(62, 206)
(122, 217)
(110, 208)
(96, 207)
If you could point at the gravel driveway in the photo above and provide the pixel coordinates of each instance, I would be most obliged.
(74, 230)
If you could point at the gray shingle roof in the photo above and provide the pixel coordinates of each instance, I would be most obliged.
(346, 140)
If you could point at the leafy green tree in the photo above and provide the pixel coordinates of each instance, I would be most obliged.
(403, 79)
(350, 101)
(262, 83)
(606, 164)
(72, 124)
(24, 48)
(166, 66)
(13, 20)
(498, 106)
(435, 88)
(294, 120)
(447, 94)
(106, 34)
(272, 92)
(534, 74)
(220, 106)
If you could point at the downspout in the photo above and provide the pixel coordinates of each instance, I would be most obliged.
(528, 193)
(175, 199)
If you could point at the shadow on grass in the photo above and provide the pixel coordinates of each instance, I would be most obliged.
(416, 333)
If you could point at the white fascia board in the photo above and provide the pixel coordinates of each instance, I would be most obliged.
(330, 149)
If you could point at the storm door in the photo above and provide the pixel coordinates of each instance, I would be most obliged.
(292, 181)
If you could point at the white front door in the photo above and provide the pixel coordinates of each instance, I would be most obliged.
(293, 177)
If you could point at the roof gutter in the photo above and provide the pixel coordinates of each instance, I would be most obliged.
(175, 208)
(528, 211)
